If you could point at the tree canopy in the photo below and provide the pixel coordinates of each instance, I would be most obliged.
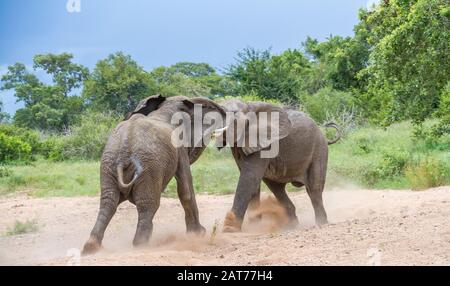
(395, 67)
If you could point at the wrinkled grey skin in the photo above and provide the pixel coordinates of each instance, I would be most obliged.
(302, 161)
(140, 151)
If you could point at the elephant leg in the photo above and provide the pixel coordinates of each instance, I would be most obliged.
(186, 195)
(109, 201)
(252, 170)
(254, 205)
(278, 189)
(146, 196)
(314, 187)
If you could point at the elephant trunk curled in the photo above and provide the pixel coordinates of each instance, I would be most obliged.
(137, 173)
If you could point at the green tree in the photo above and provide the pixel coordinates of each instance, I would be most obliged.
(4, 117)
(66, 75)
(410, 61)
(192, 79)
(193, 69)
(117, 83)
(270, 76)
(47, 107)
(337, 62)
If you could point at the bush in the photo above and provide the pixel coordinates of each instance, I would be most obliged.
(5, 172)
(52, 148)
(85, 140)
(426, 173)
(364, 145)
(31, 137)
(12, 148)
(328, 104)
(252, 96)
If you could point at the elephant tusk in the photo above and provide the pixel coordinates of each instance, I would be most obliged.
(219, 132)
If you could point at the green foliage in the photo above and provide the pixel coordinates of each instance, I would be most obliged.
(409, 62)
(269, 76)
(427, 172)
(52, 148)
(47, 107)
(12, 148)
(192, 70)
(28, 226)
(252, 96)
(443, 113)
(66, 75)
(4, 117)
(389, 158)
(172, 83)
(326, 103)
(60, 179)
(5, 171)
(117, 84)
(85, 140)
(30, 137)
(337, 62)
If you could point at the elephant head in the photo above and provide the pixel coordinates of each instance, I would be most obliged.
(210, 114)
(253, 126)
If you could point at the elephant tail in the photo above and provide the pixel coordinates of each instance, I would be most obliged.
(137, 173)
(338, 132)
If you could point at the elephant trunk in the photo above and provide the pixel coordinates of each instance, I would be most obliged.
(137, 173)
(338, 135)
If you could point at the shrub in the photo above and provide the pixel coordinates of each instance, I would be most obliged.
(252, 96)
(426, 173)
(12, 148)
(87, 139)
(31, 137)
(364, 145)
(391, 165)
(52, 148)
(5, 172)
(328, 104)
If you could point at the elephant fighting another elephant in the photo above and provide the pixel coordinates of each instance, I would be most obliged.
(141, 151)
(301, 160)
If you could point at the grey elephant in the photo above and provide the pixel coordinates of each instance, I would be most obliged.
(140, 151)
(301, 160)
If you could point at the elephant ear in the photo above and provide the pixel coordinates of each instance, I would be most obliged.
(147, 105)
(259, 118)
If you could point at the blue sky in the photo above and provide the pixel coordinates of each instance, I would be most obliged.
(164, 32)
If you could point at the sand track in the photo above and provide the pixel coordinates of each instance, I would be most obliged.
(392, 227)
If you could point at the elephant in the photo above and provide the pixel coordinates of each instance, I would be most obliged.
(140, 151)
(301, 160)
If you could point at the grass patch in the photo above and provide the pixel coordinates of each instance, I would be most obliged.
(388, 158)
(370, 157)
(19, 227)
(47, 179)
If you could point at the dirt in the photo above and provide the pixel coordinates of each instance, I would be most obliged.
(367, 227)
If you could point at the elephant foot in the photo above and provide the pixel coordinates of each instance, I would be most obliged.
(231, 223)
(139, 241)
(91, 246)
(198, 230)
(320, 221)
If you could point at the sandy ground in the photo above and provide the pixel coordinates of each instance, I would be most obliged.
(366, 227)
